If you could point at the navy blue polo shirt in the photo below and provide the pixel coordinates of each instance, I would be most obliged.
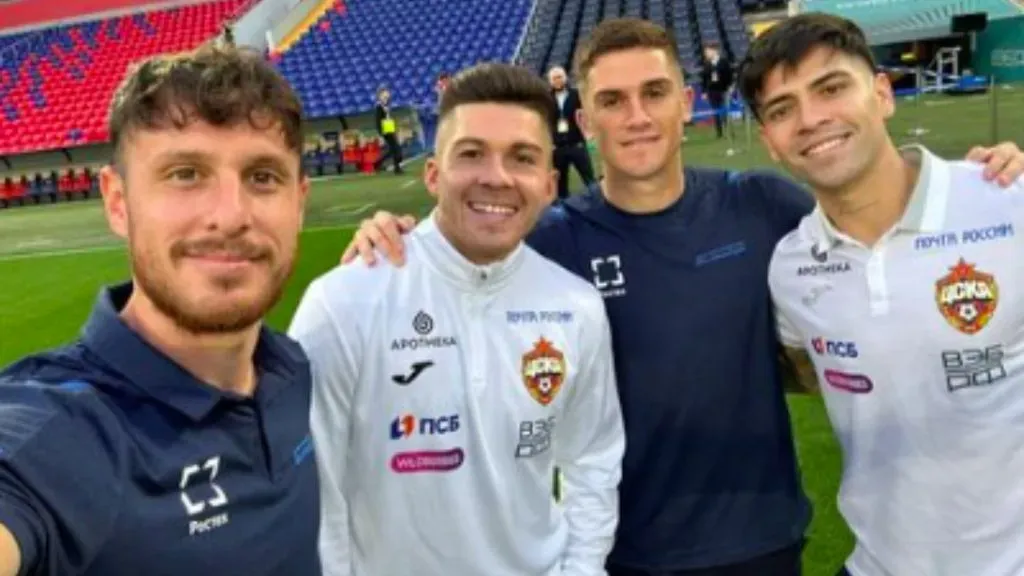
(115, 461)
(710, 475)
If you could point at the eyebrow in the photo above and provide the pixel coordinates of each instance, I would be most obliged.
(659, 82)
(823, 79)
(521, 145)
(196, 157)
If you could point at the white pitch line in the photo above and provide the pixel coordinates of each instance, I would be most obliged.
(409, 183)
(100, 249)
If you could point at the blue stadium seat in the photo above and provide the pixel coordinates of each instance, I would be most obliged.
(340, 61)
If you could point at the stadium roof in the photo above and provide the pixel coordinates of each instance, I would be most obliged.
(890, 21)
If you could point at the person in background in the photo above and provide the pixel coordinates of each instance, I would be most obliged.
(387, 127)
(716, 81)
(570, 145)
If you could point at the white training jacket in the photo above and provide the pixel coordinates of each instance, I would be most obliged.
(445, 394)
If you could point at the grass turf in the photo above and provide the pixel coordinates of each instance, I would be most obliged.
(54, 258)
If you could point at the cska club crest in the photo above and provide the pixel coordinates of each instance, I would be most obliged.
(543, 371)
(966, 297)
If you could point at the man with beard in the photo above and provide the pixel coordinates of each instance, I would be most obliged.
(172, 437)
(915, 326)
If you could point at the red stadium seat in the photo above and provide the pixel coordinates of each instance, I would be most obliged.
(80, 99)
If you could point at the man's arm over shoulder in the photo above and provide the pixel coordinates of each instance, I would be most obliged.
(589, 445)
(785, 201)
(328, 325)
(798, 373)
(60, 484)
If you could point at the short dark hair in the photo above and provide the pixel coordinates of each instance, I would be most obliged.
(221, 85)
(790, 41)
(500, 83)
(618, 34)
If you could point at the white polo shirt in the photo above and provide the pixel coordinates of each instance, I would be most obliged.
(918, 344)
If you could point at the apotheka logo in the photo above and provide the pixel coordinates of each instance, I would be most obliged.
(423, 325)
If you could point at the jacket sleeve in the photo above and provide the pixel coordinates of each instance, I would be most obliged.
(588, 450)
(333, 349)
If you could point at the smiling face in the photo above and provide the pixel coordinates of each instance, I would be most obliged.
(635, 107)
(825, 119)
(212, 217)
(492, 177)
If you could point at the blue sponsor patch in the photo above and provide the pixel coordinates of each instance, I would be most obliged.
(302, 450)
(74, 386)
(721, 253)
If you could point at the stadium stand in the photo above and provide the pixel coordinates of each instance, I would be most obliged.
(892, 21)
(56, 84)
(363, 45)
(558, 26)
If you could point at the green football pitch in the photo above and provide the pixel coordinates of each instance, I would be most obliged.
(54, 258)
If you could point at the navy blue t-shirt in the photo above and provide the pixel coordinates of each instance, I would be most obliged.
(115, 461)
(710, 476)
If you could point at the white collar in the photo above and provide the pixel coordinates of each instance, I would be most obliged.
(451, 264)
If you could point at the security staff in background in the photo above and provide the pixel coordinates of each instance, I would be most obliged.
(716, 78)
(387, 127)
(570, 146)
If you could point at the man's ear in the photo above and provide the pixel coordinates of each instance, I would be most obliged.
(113, 190)
(432, 176)
(687, 103)
(303, 196)
(884, 94)
(584, 123)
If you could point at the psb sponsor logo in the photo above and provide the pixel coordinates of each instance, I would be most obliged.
(837, 348)
(966, 297)
(407, 425)
(428, 461)
(539, 316)
(200, 493)
(847, 382)
(535, 437)
(970, 236)
(608, 275)
(414, 372)
(423, 325)
(973, 367)
(543, 371)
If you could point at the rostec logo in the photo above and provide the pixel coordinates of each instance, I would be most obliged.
(608, 276)
(835, 348)
(197, 500)
(973, 367)
(853, 383)
(428, 461)
(407, 425)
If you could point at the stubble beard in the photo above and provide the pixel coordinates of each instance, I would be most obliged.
(215, 316)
